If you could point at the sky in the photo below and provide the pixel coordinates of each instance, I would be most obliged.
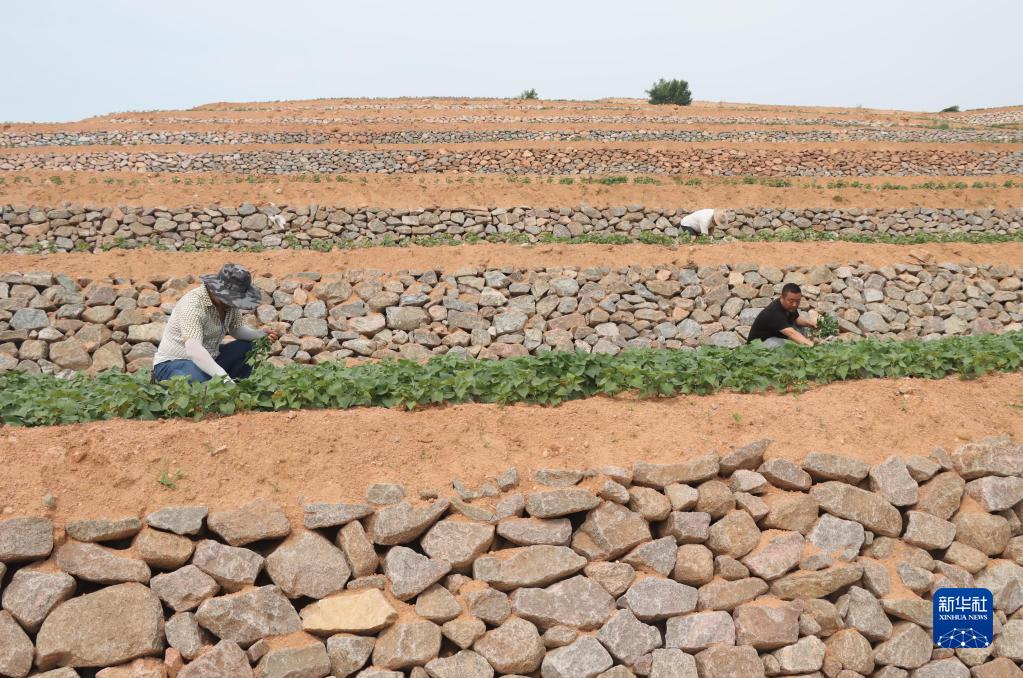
(71, 59)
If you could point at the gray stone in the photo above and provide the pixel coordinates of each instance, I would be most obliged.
(864, 613)
(184, 520)
(509, 569)
(777, 553)
(488, 605)
(559, 503)
(559, 636)
(655, 599)
(649, 503)
(585, 658)
(943, 668)
(248, 616)
(231, 567)
(804, 656)
(700, 630)
(993, 457)
(437, 604)
(225, 660)
(184, 589)
(16, 650)
(892, 481)
(908, 648)
(384, 494)
(32, 594)
(994, 493)
(867, 508)
(25, 539)
(162, 549)
(99, 564)
(682, 497)
(614, 577)
(358, 549)
(658, 556)
(308, 565)
(401, 523)
(784, 474)
(793, 511)
(728, 662)
(805, 584)
(768, 626)
(411, 573)
(673, 664)
(1009, 643)
(686, 527)
(257, 520)
(694, 470)
(104, 529)
(184, 635)
(348, 653)
(304, 658)
(111, 626)
(627, 638)
(514, 647)
(987, 533)
(823, 466)
(321, 515)
(747, 457)
(610, 531)
(734, 535)
(726, 595)
(465, 664)
(29, 319)
(694, 565)
(536, 531)
(850, 650)
(578, 602)
(941, 495)
(837, 537)
(928, 531)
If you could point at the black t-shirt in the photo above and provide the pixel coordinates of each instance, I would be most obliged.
(771, 321)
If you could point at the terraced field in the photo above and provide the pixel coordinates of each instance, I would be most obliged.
(527, 262)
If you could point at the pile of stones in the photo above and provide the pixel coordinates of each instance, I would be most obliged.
(28, 228)
(54, 323)
(709, 567)
(832, 162)
(135, 137)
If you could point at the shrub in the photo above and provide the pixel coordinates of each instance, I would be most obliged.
(950, 109)
(529, 94)
(670, 92)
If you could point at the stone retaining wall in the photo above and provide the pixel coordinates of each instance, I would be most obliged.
(142, 137)
(713, 566)
(707, 161)
(488, 119)
(52, 323)
(76, 227)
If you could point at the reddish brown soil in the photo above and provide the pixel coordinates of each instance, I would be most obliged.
(130, 188)
(146, 263)
(111, 468)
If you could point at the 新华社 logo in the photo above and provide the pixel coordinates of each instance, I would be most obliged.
(963, 617)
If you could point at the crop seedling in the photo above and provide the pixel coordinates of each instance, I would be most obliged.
(827, 326)
(168, 479)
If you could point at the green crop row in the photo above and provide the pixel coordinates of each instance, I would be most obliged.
(548, 379)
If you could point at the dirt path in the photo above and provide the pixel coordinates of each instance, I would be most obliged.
(111, 468)
(145, 263)
(130, 188)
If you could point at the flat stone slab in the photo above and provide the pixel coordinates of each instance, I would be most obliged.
(255, 521)
(700, 630)
(871, 510)
(104, 529)
(559, 503)
(183, 520)
(365, 611)
(99, 564)
(816, 584)
(654, 599)
(627, 638)
(111, 626)
(458, 542)
(25, 539)
(578, 602)
(321, 515)
(536, 531)
(249, 616)
(232, 567)
(528, 566)
(401, 523)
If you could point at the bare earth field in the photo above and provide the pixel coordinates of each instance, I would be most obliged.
(129, 188)
(111, 468)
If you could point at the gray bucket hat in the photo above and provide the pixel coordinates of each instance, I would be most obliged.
(233, 286)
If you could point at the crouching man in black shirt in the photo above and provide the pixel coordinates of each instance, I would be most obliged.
(780, 321)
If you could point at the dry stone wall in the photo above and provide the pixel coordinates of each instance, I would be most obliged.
(52, 323)
(833, 162)
(78, 227)
(146, 137)
(502, 119)
(712, 565)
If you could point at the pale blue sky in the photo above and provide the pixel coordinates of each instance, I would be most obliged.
(70, 59)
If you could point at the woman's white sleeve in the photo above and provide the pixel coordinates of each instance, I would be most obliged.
(246, 333)
(198, 354)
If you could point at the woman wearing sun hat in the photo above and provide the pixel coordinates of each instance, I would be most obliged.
(700, 221)
(192, 346)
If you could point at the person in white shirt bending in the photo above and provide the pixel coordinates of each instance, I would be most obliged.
(701, 221)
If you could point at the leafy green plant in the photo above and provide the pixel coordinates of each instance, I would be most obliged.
(529, 94)
(546, 379)
(670, 92)
(827, 326)
(259, 352)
